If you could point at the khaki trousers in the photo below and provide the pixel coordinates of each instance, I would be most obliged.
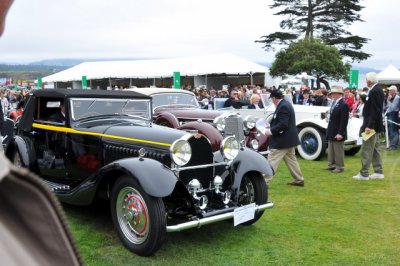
(289, 156)
(370, 154)
(336, 154)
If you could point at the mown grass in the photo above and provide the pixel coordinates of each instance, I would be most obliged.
(333, 220)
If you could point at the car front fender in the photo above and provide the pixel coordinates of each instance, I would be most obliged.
(207, 130)
(246, 161)
(156, 179)
(167, 119)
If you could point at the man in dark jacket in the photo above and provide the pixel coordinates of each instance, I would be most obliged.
(336, 133)
(373, 120)
(284, 138)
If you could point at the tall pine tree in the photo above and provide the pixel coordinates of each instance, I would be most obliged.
(326, 20)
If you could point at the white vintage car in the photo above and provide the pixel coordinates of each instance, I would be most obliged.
(312, 122)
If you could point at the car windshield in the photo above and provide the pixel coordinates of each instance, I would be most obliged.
(168, 99)
(266, 100)
(85, 108)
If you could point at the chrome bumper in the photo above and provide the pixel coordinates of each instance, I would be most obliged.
(209, 220)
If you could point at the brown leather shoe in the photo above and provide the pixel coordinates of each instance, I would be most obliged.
(299, 183)
(337, 170)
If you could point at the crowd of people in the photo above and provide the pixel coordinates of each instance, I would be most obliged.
(370, 104)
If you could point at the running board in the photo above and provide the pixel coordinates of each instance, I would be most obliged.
(55, 186)
(213, 219)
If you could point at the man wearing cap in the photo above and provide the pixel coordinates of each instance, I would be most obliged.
(392, 113)
(284, 138)
(337, 130)
(372, 113)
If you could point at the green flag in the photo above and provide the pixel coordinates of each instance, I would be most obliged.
(353, 79)
(177, 80)
(84, 82)
(39, 82)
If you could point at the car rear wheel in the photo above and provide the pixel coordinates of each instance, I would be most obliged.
(352, 151)
(312, 144)
(138, 218)
(253, 189)
(17, 160)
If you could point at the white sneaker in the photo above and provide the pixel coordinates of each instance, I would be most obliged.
(360, 177)
(376, 176)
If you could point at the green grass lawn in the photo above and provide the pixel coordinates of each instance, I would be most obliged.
(333, 220)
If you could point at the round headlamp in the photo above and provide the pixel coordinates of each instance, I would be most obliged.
(254, 144)
(249, 122)
(219, 122)
(230, 147)
(181, 152)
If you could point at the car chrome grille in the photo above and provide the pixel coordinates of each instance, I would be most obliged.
(234, 127)
(201, 154)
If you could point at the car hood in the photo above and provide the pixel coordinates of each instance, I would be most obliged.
(189, 113)
(141, 133)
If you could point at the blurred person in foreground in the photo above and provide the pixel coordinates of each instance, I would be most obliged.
(336, 133)
(372, 113)
(392, 113)
(284, 138)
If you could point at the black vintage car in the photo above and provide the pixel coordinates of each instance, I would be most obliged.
(87, 145)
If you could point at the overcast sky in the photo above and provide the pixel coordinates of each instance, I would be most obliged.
(49, 29)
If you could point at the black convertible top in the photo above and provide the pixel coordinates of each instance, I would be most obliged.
(63, 93)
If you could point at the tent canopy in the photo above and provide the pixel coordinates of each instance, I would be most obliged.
(160, 68)
(390, 75)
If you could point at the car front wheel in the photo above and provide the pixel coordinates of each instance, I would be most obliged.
(138, 218)
(253, 189)
(312, 144)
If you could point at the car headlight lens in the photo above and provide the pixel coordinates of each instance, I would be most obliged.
(254, 144)
(181, 152)
(249, 122)
(230, 148)
(219, 122)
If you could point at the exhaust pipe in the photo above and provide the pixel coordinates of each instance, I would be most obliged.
(209, 220)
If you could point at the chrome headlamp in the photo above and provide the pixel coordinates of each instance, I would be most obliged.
(219, 122)
(254, 144)
(229, 148)
(249, 122)
(181, 152)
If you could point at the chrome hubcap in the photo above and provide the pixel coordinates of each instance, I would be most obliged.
(132, 215)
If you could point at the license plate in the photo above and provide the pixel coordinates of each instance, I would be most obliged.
(244, 214)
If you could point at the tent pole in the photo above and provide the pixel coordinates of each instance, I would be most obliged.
(251, 78)
(109, 82)
(206, 82)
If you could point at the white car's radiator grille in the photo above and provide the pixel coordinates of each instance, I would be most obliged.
(234, 126)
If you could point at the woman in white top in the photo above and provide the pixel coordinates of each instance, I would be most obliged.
(358, 111)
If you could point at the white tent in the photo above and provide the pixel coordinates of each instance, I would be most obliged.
(390, 75)
(190, 66)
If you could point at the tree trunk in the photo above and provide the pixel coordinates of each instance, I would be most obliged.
(323, 81)
(309, 30)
